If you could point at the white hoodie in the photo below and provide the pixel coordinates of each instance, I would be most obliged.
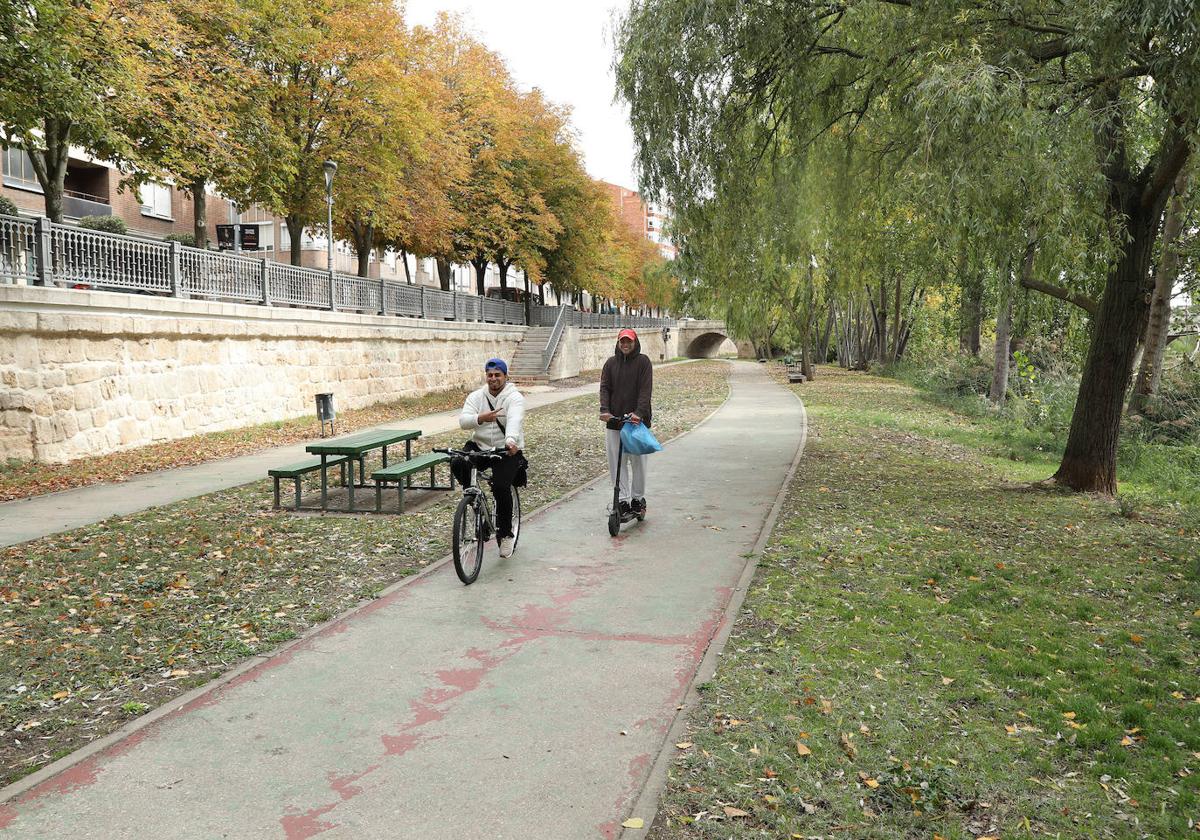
(512, 415)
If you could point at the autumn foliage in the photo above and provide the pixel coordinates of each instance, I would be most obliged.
(440, 153)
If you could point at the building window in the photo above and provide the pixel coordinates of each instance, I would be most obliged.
(18, 170)
(266, 235)
(156, 200)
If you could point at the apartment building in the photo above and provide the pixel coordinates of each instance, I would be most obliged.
(648, 220)
(155, 210)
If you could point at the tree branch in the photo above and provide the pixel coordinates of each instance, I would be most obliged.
(1081, 300)
(1160, 172)
(1050, 50)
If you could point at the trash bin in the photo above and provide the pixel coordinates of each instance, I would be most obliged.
(325, 412)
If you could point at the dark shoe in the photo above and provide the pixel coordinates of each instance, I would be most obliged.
(638, 506)
(625, 508)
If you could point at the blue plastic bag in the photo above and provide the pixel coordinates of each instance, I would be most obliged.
(636, 439)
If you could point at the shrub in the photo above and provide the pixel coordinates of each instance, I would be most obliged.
(1173, 415)
(7, 208)
(106, 224)
(953, 376)
(188, 240)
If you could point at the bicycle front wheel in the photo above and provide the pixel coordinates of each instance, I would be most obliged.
(468, 547)
(516, 517)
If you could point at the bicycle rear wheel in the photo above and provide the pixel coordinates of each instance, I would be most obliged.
(468, 547)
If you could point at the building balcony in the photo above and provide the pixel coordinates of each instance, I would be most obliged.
(78, 204)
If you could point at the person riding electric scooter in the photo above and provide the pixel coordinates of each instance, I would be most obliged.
(626, 391)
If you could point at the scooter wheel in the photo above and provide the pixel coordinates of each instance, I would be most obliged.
(614, 524)
(641, 517)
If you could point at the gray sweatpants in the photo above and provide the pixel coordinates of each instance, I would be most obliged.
(632, 486)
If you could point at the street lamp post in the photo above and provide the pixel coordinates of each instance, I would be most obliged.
(330, 169)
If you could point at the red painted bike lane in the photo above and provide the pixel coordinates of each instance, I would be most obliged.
(530, 704)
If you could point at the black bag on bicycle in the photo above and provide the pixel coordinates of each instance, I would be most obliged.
(521, 477)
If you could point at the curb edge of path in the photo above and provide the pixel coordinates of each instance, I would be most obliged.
(646, 805)
(14, 791)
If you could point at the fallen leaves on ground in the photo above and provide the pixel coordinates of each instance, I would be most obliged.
(106, 622)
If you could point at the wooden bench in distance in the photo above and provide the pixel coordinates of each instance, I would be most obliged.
(401, 475)
(300, 469)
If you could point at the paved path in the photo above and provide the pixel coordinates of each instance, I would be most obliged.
(529, 705)
(28, 519)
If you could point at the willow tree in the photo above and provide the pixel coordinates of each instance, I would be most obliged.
(698, 76)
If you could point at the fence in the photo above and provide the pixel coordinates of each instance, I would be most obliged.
(34, 251)
(38, 252)
(547, 316)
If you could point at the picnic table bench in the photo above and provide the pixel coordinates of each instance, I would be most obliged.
(795, 372)
(297, 470)
(401, 474)
(356, 447)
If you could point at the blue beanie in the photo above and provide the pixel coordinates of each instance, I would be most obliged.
(496, 364)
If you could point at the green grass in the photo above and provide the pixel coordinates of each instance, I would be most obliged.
(958, 654)
(1032, 430)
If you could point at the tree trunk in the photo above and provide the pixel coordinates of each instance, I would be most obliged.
(882, 325)
(1150, 369)
(503, 265)
(480, 263)
(971, 314)
(999, 389)
(1089, 461)
(363, 233)
(200, 211)
(443, 270)
(407, 274)
(528, 299)
(50, 166)
(295, 226)
(823, 339)
(897, 320)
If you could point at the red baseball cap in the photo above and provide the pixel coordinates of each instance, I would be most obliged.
(627, 333)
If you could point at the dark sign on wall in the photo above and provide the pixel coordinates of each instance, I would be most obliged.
(249, 237)
(225, 237)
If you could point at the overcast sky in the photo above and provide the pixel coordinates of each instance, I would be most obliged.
(564, 48)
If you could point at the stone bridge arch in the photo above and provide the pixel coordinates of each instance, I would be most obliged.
(706, 339)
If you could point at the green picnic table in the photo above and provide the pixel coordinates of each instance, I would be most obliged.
(356, 446)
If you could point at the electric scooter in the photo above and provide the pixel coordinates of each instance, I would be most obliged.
(615, 517)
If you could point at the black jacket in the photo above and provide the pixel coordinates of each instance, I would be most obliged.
(627, 384)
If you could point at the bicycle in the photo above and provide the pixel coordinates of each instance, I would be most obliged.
(473, 522)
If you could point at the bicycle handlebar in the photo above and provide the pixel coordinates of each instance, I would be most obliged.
(492, 454)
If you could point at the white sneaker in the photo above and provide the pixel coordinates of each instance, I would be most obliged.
(506, 547)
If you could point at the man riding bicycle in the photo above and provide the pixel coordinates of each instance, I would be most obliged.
(495, 414)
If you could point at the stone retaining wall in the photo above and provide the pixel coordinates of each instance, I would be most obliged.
(86, 373)
(581, 349)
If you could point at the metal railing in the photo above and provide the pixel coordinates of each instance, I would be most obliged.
(545, 316)
(18, 250)
(560, 324)
(39, 252)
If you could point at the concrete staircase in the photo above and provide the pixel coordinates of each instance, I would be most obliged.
(525, 367)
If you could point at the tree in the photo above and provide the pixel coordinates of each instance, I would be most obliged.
(388, 156)
(200, 132)
(74, 73)
(1165, 276)
(331, 81)
(792, 73)
(585, 244)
